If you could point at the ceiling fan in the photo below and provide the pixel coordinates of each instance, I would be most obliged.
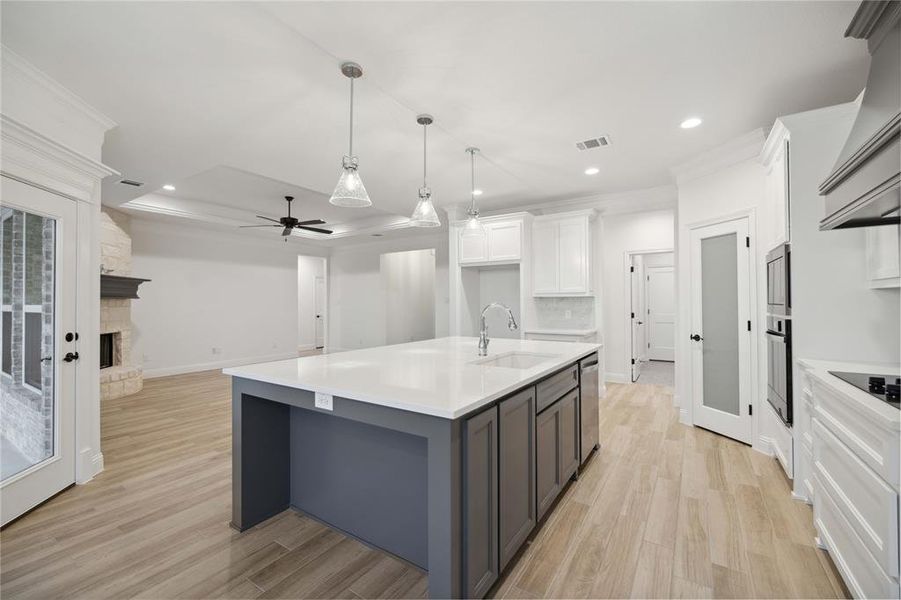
(290, 223)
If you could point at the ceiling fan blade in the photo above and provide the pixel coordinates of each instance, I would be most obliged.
(312, 222)
(287, 231)
(316, 229)
(243, 226)
(268, 219)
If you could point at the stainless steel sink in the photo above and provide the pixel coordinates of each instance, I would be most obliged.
(514, 360)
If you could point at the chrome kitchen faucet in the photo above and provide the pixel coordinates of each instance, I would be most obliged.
(483, 328)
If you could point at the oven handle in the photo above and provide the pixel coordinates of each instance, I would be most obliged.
(776, 334)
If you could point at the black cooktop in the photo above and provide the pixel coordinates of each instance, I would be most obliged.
(883, 387)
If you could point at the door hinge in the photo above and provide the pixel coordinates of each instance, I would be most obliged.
(633, 361)
(649, 344)
(749, 325)
(633, 315)
(631, 269)
(649, 277)
(750, 409)
(747, 241)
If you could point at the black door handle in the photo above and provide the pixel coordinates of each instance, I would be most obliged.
(695, 337)
(70, 356)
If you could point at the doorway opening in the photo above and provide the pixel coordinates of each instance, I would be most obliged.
(312, 304)
(651, 318)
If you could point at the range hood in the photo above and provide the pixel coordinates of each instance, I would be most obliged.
(863, 188)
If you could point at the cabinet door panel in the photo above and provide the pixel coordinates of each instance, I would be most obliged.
(569, 435)
(544, 258)
(473, 249)
(547, 443)
(573, 259)
(480, 503)
(504, 241)
(516, 488)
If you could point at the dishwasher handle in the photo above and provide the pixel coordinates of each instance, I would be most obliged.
(590, 367)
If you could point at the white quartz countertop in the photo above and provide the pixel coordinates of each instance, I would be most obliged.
(434, 377)
(820, 369)
(561, 331)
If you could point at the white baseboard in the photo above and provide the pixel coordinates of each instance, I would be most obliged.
(306, 347)
(683, 416)
(91, 465)
(617, 378)
(219, 364)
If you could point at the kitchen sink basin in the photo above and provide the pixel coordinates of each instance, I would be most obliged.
(514, 360)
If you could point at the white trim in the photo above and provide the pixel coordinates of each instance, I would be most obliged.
(219, 364)
(617, 378)
(742, 148)
(656, 198)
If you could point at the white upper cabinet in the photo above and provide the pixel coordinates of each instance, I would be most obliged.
(561, 254)
(775, 156)
(883, 256)
(502, 243)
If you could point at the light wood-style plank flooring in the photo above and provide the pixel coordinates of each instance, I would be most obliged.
(664, 510)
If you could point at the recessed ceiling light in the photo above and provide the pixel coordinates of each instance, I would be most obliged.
(690, 123)
(169, 188)
(592, 171)
(476, 192)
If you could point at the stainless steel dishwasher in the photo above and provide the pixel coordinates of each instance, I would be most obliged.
(588, 406)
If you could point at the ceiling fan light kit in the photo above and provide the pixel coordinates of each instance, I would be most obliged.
(473, 227)
(425, 215)
(350, 191)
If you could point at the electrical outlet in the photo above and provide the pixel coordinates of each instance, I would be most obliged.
(323, 401)
(216, 350)
(568, 314)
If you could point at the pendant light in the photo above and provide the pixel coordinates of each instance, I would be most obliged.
(424, 215)
(473, 227)
(350, 191)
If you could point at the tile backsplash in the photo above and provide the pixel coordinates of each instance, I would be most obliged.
(551, 313)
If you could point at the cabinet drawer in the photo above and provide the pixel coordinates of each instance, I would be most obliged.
(865, 431)
(865, 500)
(862, 574)
(554, 387)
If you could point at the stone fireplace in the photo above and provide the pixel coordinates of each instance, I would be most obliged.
(122, 377)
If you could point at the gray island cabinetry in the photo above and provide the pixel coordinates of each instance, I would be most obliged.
(420, 449)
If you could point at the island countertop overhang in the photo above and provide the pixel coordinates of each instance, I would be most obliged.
(441, 377)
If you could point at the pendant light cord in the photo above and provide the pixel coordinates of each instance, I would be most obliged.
(472, 181)
(351, 117)
(425, 128)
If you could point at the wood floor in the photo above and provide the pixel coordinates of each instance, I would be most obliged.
(664, 510)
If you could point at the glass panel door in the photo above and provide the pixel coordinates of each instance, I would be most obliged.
(27, 410)
(719, 299)
(37, 289)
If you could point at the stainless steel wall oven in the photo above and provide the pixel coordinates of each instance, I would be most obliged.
(779, 332)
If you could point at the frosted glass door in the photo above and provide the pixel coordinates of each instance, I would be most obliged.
(37, 405)
(720, 340)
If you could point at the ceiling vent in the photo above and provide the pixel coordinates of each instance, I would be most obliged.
(598, 142)
(131, 182)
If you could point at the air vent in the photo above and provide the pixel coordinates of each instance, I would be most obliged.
(131, 182)
(598, 142)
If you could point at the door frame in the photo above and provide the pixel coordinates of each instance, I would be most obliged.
(683, 346)
(628, 351)
(325, 302)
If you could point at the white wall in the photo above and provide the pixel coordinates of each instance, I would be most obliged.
(730, 190)
(500, 284)
(308, 269)
(620, 234)
(408, 290)
(211, 289)
(356, 304)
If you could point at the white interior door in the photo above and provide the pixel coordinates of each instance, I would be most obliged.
(721, 342)
(637, 323)
(37, 405)
(661, 313)
(319, 307)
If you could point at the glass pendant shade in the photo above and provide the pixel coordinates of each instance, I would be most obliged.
(350, 191)
(473, 227)
(425, 215)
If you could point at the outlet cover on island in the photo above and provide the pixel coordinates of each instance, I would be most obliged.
(323, 401)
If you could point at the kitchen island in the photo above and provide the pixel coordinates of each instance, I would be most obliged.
(425, 450)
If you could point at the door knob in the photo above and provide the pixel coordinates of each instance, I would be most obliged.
(695, 337)
(70, 356)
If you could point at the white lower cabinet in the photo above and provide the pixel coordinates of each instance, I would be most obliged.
(851, 473)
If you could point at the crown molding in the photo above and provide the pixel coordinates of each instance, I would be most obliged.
(34, 158)
(740, 149)
(873, 20)
(13, 64)
(655, 198)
